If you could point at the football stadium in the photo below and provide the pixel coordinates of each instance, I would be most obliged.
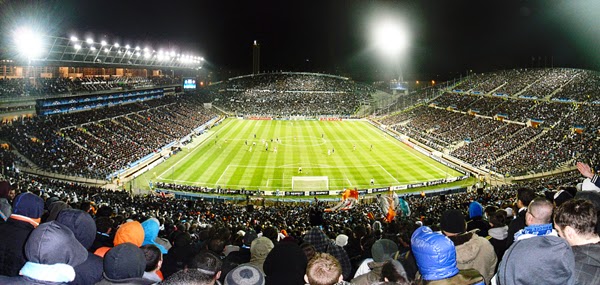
(299, 152)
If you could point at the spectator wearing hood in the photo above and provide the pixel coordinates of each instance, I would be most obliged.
(132, 232)
(151, 228)
(476, 220)
(498, 233)
(27, 212)
(285, 264)
(382, 251)
(575, 221)
(259, 249)
(5, 207)
(54, 209)
(472, 251)
(436, 259)
(124, 264)
(322, 243)
(52, 253)
(83, 227)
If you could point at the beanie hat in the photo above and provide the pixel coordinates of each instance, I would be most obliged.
(562, 196)
(383, 249)
(245, 274)
(341, 240)
(29, 205)
(124, 261)
(453, 221)
(475, 210)
(435, 254)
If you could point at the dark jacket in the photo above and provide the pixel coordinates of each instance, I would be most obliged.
(322, 243)
(13, 235)
(587, 264)
(20, 280)
(515, 225)
(84, 228)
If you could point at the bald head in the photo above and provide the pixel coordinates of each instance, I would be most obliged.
(540, 212)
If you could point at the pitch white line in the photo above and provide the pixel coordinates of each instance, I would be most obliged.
(389, 174)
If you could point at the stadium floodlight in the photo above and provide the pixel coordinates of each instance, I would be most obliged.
(93, 48)
(103, 43)
(146, 49)
(390, 37)
(116, 45)
(28, 43)
(106, 50)
(202, 58)
(89, 41)
(137, 53)
(137, 48)
(173, 53)
(77, 47)
(74, 38)
(127, 46)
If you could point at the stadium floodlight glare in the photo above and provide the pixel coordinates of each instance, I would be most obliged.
(116, 45)
(390, 36)
(28, 43)
(137, 48)
(106, 50)
(89, 41)
(146, 49)
(127, 46)
(172, 53)
(93, 48)
(202, 58)
(103, 43)
(77, 47)
(74, 38)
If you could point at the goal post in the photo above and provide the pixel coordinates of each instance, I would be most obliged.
(310, 183)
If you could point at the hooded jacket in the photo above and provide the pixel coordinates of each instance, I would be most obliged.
(322, 243)
(259, 249)
(15, 231)
(497, 237)
(436, 258)
(546, 260)
(151, 228)
(475, 252)
(132, 232)
(587, 264)
(52, 251)
(476, 220)
(84, 228)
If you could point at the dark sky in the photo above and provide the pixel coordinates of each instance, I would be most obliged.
(447, 38)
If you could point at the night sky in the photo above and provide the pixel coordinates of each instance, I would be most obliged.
(447, 38)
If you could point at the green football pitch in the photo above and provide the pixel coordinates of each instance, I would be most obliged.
(297, 155)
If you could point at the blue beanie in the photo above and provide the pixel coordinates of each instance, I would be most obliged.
(435, 254)
(475, 210)
(28, 205)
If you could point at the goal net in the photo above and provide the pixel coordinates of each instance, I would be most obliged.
(310, 183)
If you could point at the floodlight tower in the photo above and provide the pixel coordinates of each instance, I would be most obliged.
(391, 40)
(255, 58)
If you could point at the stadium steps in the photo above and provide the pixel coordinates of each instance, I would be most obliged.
(496, 89)
(520, 147)
(560, 88)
